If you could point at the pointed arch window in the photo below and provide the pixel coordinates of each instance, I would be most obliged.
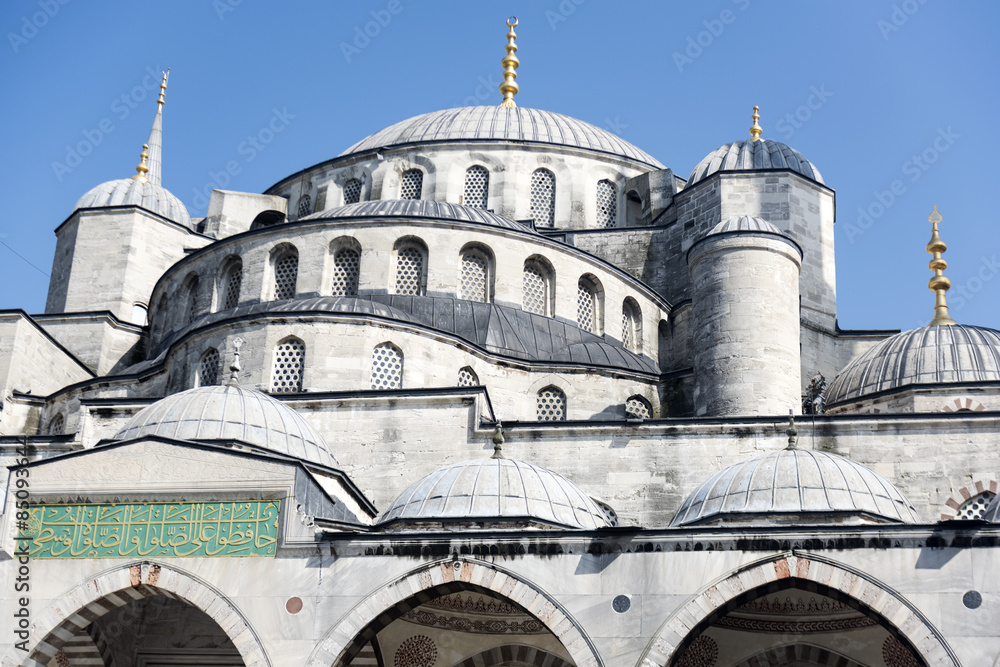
(305, 205)
(467, 377)
(286, 275)
(475, 279)
(637, 407)
(536, 287)
(589, 306)
(550, 405)
(411, 185)
(975, 507)
(607, 204)
(289, 366)
(387, 367)
(352, 191)
(477, 186)
(232, 284)
(192, 298)
(543, 197)
(208, 369)
(57, 425)
(346, 270)
(631, 326)
(411, 277)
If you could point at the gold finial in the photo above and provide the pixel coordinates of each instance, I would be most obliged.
(510, 63)
(498, 441)
(756, 130)
(163, 89)
(938, 284)
(141, 170)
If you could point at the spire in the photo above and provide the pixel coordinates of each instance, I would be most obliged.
(140, 171)
(510, 63)
(791, 431)
(938, 284)
(234, 378)
(156, 135)
(498, 442)
(756, 130)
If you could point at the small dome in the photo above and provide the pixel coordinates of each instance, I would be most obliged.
(929, 355)
(795, 482)
(230, 413)
(496, 491)
(744, 223)
(753, 155)
(418, 208)
(126, 192)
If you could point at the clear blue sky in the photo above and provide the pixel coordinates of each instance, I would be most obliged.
(861, 88)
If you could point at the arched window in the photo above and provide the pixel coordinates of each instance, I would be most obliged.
(289, 364)
(975, 507)
(631, 326)
(387, 367)
(191, 298)
(232, 283)
(346, 268)
(477, 187)
(410, 268)
(607, 204)
(286, 273)
(352, 191)
(475, 280)
(543, 198)
(550, 405)
(140, 314)
(305, 205)
(208, 370)
(536, 288)
(57, 425)
(467, 377)
(638, 407)
(411, 185)
(589, 307)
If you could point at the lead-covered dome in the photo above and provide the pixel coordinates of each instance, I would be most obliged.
(230, 413)
(495, 491)
(145, 194)
(795, 486)
(926, 356)
(497, 123)
(751, 156)
(419, 208)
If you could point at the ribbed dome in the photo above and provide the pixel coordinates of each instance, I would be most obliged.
(752, 155)
(744, 223)
(794, 482)
(496, 491)
(418, 208)
(929, 355)
(497, 123)
(126, 192)
(230, 413)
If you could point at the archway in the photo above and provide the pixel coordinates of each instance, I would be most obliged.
(356, 630)
(116, 591)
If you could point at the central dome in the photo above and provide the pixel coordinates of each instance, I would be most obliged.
(498, 123)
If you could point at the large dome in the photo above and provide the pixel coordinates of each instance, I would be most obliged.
(751, 156)
(230, 413)
(794, 483)
(929, 355)
(497, 123)
(496, 490)
(127, 192)
(419, 208)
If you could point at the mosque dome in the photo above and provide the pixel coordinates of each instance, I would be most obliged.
(749, 155)
(500, 123)
(795, 483)
(145, 194)
(230, 413)
(929, 355)
(418, 208)
(492, 491)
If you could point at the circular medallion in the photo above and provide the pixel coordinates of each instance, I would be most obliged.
(293, 605)
(972, 599)
(621, 604)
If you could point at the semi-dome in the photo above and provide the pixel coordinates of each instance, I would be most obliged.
(929, 355)
(800, 486)
(751, 156)
(145, 194)
(230, 413)
(744, 223)
(418, 208)
(498, 123)
(495, 491)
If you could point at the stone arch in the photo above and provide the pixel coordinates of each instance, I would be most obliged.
(965, 404)
(503, 655)
(979, 485)
(124, 584)
(793, 654)
(893, 612)
(384, 605)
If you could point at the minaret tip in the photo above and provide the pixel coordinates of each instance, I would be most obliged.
(938, 284)
(756, 130)
(510, 63)
(140, 171)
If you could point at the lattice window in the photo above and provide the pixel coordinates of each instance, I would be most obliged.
(975, 507)
(607, 204)
(467, 377)
(631, 333)
(346, 267)
(477, 186)
(551, 405)
(233, 285)
(387, 367)
(409, 270)
(412, 184)
(305, 205)
(289, 363)
(585, 305)
(57, 425)
(192, 300)
(637, 407)
(543, 197)
(475, 276)
(286, 273)
(208, 370)
(352, 191)
(535, 289)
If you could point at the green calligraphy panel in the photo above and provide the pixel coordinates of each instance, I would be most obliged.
(166, 530)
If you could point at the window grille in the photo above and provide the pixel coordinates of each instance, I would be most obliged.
(975, 507)
(551, 405)
(57, 425)
(192, 302)
(477, 185)
(346, 266)
(631, 333)
(473, 281)
(305, 205)
(637, 407)
(412, 184)
(585, 306)
(467, 377)
(387, 367)
(543, 197)
(409, 270)
(289, 362)
(286, 273)
(607, 204)
(352, 191)
(535, 290)
(234, 283)
(208, 371)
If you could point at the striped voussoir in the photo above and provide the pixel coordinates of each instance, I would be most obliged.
(502, 655)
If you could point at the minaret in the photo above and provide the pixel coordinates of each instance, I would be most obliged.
(938, 284)
(155, 142)
(510, 63)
